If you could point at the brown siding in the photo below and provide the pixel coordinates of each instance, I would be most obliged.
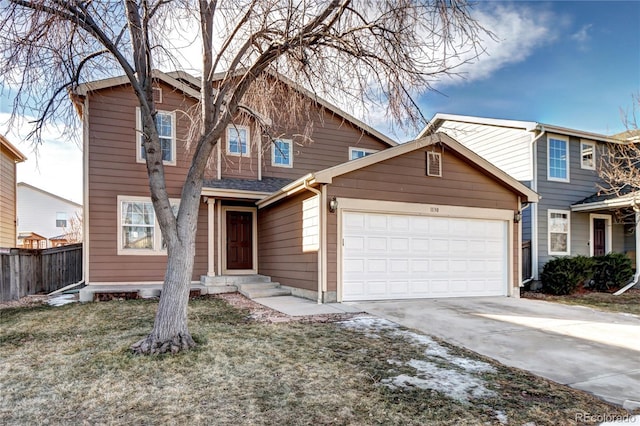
(332, 136)
(280, 253)
(7, 199)
(113, 171)
(403, 179)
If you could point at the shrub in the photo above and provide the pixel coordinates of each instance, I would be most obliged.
(563, 275)
(611, 271)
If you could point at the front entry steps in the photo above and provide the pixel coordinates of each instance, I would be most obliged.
(251, 286)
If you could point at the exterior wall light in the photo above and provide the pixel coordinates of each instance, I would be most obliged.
(517, 217)
(333, 205)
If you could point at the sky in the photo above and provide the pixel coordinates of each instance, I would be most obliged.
(565, 63)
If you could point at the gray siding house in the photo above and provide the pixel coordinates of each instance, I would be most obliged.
(558, 163)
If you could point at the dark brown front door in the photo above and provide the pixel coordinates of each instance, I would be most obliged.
(599, 238)
(239, 240)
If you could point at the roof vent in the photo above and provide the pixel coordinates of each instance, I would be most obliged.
(434, 164)
(157, 95)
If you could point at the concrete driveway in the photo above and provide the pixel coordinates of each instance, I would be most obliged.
(594, 351)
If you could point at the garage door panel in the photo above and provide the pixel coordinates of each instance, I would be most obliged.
(388, 256)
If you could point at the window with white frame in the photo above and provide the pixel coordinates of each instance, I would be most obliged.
(166, 126)
(238, 141)
(559, 231)
(558, 158)
(588, 155)
(355, 153)
(61, 219)
(138, 229)
(282, 153)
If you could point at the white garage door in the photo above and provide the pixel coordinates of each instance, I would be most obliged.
(391, 256)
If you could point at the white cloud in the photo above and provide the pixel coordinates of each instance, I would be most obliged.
(582, 36)
(55, 166)
(518, 32)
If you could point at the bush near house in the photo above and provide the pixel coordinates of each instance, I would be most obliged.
(610, 272)
(563, 275)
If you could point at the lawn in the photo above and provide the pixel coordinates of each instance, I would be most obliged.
(628, 302)
(71, 365)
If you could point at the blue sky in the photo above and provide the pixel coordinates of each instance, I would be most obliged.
(572, 64)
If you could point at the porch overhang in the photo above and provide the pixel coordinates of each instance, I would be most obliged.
(607, 202)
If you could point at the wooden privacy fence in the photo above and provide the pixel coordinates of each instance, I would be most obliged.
(25, 271)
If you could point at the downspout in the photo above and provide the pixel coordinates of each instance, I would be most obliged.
(321, 214)
(534, 209)
(636, 277)
(530, 278)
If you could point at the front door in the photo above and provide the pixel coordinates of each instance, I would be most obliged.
(239, 240)
(599, 237)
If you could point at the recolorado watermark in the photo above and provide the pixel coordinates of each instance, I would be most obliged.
(608, 418)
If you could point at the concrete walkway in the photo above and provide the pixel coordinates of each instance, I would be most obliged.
(297, 306)
(594, 351)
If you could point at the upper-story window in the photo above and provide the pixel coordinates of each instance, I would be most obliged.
(61, 219)
(166, 126)
(281, 153)
(238, 141)
(588, 155)
(355, 153)
(558, 158)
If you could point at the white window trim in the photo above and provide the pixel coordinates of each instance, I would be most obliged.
(566, 140)
(352, 149)
(274, 149)
(157, 235)
(227, 145)
(174, 155)
(593, 150)
(559, 253)
(608, 241)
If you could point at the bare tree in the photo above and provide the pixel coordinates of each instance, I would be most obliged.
(619, 165)
(73, 232)
(383, 51)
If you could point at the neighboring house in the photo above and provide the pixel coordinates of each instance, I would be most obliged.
(560, 165)
(9, 157)
(350, 216)
(45, 214)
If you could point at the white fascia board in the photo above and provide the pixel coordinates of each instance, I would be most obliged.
(439, 118)
(233, 193)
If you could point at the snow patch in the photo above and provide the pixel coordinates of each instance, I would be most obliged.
(62, 299)
(502, 417)
(459, 381)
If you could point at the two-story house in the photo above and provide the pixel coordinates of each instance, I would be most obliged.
(346, 214)
(560, 164)
(44, 214)
(10, 156)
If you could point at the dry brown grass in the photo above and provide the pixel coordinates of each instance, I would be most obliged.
(71, 365)
(628, 302)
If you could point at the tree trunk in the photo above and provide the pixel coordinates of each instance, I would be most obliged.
(170, 333)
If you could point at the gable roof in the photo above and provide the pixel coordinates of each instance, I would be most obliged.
(18, 157)
(48, 194)
(326, 176)
(190, 85)
(529, 126)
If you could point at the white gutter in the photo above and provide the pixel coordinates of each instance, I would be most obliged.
(636, 277)
(321, 214)
(534, 209)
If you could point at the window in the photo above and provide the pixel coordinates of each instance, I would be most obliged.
(434, 164)
(61, 220)
(355, 153)
(588, 155)
(138, 230)
(558, 159)
(559, 226)
(165, 124)
(238, 141)
(281, 153)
